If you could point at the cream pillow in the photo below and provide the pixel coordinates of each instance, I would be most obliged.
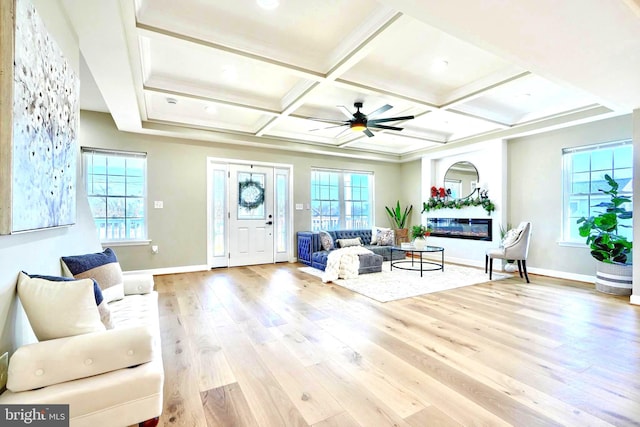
(345, 243)
(59, 309)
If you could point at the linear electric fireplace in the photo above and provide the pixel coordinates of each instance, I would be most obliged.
(461, 228)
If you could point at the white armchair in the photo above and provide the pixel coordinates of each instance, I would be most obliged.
(515, 247)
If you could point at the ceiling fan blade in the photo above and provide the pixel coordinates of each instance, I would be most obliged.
(328, 127)
(332, 121)
(344, 110)
(380, 110)
(368, 133)
(390, 119)
(375, 126)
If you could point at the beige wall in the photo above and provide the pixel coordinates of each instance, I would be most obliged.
(177, 175)
(411, 189)
(535, 189)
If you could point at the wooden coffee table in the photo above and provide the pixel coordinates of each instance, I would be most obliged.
(412, 264)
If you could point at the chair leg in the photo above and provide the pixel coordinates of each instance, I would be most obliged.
(490, 267)
(524, 267)
(486, 263)
(520, 268)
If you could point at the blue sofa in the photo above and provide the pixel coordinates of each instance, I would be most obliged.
(310, 250)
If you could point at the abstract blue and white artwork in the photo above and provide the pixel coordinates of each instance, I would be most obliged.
(45, 127)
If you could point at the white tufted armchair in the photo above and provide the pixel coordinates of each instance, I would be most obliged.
(516, 249)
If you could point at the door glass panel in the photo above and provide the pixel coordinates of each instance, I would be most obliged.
(281, 213)
(251, 193)
(219, 210)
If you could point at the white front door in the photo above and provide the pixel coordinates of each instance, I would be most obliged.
(251, 222)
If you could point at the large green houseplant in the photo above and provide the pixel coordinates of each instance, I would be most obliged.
(611, 250)
(399, 219)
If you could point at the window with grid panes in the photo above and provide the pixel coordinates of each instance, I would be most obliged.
(116, 189)
(584, 169)
(341, 199)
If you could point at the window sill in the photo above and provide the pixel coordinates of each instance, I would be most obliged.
(125, 243)
(569, 244)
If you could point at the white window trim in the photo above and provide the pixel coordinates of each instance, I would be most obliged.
(570, 150)
(341, 195)
(128, 154)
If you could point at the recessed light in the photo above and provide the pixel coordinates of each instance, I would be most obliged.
(172, 101)
(229, 73)
(439, 65)
(268, 4)
(211, 109)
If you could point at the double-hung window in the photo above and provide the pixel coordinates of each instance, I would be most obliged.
(584, 169)
(116, 183)
(341, 199)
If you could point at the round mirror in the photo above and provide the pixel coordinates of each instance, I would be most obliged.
(461, 180)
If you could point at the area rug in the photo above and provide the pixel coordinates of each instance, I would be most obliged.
(398, 284)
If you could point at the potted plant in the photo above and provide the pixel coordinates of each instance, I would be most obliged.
(399, 220)
(611, 250)
(419, 234)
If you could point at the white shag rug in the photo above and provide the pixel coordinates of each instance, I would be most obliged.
(398, 284)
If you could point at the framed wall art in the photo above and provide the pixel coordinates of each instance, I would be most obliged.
(39, 114)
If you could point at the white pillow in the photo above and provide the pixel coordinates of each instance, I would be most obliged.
(374, 234)
(59, 309)
(511, 237)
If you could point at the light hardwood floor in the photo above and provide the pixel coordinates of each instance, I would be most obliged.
(271, 346)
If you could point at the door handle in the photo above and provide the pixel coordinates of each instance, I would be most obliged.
(269, 222)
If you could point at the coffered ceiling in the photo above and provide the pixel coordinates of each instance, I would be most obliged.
(233, 72)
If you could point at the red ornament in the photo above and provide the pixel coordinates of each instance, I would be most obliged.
(443, 193)
(434, 191)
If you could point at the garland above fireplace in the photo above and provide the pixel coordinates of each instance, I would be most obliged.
(461, 228)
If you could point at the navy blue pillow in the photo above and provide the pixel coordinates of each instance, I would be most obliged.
(97, 292)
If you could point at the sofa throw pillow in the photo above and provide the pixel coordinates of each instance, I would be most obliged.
(101, 266)
(345, 243)
(511, 237)
(59, 309)
(385, 237)
(326, 241)
(103, 307)
(374, 234)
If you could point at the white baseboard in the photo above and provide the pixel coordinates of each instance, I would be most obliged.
(171, 270)
(635, 299)
(533, 270)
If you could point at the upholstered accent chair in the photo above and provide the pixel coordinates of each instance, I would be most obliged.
(515, 246)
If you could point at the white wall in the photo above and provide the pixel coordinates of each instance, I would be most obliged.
(489, 158)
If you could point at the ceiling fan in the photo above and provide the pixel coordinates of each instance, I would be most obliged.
(361, 122)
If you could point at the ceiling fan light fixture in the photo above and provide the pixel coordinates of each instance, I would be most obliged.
(358, 127)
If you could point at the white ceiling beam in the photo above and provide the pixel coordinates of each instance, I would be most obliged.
(155, 32)
(213, 100)
(103, 43)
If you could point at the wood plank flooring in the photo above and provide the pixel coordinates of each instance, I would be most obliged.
(271, 346)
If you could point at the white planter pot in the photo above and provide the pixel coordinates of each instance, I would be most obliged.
(419, 243)
(510, 267)
(615, 279)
